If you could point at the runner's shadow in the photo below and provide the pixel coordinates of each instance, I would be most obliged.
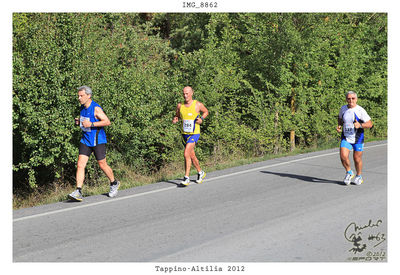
(178, 184)
(304, 178)
(70, 201)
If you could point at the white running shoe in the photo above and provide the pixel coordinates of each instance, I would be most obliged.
(201, 176)
(185, 181)
(76, 195)
(349, 176)
(358, 180)
(114, 189)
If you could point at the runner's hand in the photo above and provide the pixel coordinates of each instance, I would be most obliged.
(86, 124)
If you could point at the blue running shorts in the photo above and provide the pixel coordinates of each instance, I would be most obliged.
(190, 139)
(357, 146)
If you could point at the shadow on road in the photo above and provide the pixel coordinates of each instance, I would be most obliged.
(303, 178)
(178, 185)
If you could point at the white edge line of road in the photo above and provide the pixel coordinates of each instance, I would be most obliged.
(173, 187)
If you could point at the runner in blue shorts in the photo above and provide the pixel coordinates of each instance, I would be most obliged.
(192, 113)
(352, 121)
(190, 139)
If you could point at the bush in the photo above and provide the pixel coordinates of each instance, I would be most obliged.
(270, 81)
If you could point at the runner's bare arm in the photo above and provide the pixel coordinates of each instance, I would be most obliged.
(177, 114)
(203, 110)
(100, 115)
(365, 125)
(339, 126)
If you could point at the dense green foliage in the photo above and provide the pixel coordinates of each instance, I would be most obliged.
(265, 77)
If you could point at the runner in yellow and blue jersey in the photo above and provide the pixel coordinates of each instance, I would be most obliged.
(192, 113)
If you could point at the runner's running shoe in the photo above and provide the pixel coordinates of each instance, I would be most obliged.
(114, 189)
(349, 176)
(358, 180)
(76, 195)
(185, 181)
(201, 176)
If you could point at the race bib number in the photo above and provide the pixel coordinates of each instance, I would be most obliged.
(85, 129)
(349, 132)
(348, 129)
(188, 125)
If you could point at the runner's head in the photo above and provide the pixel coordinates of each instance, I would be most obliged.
(187, 94)
(351, 98)
(84, 94)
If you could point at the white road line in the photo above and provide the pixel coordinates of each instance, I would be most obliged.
(173, 187)
(91, 204)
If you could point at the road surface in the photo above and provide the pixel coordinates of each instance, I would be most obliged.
(287, 209)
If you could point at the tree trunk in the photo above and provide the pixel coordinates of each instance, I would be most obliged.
(276, 147)
(292, 132)
(292, 141)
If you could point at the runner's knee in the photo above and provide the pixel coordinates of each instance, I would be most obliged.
(193, 156)
(81, 165)
(82, 161)
(103, 164)
(344, 156)
(357, 157)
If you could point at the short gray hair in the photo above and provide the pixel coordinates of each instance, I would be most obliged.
(87, 89)
(351, 93)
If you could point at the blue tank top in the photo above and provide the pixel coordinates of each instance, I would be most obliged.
(92, 136)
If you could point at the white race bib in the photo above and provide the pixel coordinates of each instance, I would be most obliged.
(348, 129)
(188, 125)
(85, 129)
(349, 132)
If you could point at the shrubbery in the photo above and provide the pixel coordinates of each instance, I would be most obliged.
(270, 82)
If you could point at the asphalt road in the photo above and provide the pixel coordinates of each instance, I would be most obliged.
(289, 209)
